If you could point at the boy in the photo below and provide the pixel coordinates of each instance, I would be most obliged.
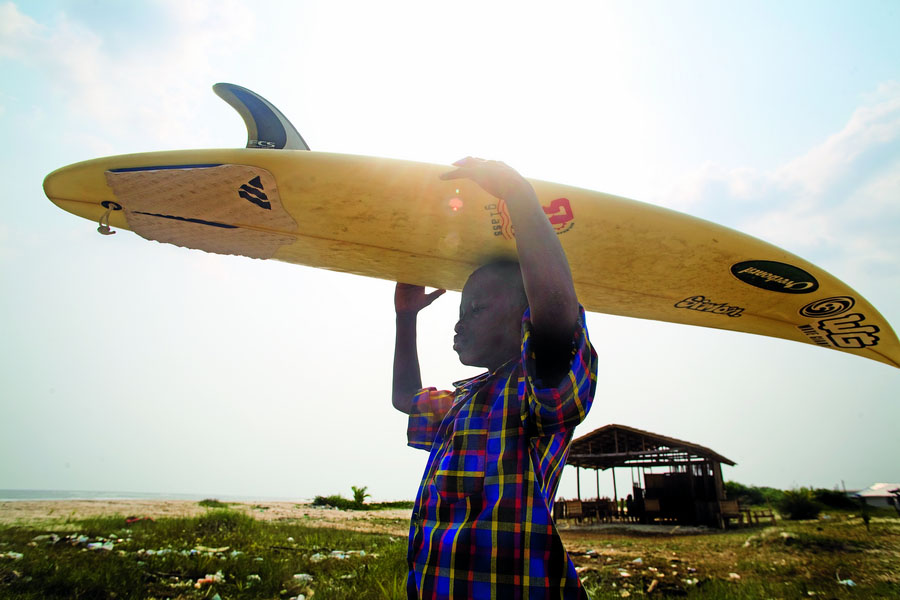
(482, 525)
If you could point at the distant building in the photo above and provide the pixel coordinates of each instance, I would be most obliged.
(878, 494)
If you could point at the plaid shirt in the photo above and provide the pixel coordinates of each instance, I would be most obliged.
(482, 524)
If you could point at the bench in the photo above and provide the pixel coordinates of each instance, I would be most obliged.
(762, 513)
(728, 510)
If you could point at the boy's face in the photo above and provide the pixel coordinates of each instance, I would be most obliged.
(488, 332)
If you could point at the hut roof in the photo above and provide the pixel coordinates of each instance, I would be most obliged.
(878, 490)
(619, 446)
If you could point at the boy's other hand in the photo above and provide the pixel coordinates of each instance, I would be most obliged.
(495, 177)
(410, 299)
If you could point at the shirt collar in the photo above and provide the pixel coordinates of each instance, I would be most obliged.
(471, 382)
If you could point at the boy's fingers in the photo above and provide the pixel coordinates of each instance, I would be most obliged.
(466, 166)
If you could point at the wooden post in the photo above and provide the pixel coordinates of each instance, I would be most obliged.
(615, 491)
(578, 481)
(597, 473)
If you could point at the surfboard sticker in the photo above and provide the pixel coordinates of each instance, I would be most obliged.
(838, 328)
(707, 305)
(559, 213)
(225, 209)
(775, 276)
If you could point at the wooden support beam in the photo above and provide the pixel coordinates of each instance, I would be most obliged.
(578, 481)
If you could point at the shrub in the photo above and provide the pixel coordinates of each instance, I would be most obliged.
(834, 499)
(772, 495)
(751, 494)
(799, 504)
(222, 521)
(743, 493)
(212, 503)
(360, 495)
(335, 501)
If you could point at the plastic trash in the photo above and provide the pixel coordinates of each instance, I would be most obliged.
(107, 545)
(209, 550)
(734, 576)
(847, 582)
(217, 577)
(638, 561)
(303, 578)
(13, 555)
(52, 538)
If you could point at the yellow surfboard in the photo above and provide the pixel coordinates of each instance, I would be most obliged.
(397, 220)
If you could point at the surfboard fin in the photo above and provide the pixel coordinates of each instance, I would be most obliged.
(267, 127)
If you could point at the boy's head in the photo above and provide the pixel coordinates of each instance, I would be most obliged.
(488, 332)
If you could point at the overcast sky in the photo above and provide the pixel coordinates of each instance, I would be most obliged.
(136, 366)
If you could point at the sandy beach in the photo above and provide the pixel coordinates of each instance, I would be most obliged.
(56, 512)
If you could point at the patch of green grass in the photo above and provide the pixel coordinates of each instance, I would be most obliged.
(338, 501)
(105, 558)
(335, 501)
(212, 503)
(797, 559)
(399, 504)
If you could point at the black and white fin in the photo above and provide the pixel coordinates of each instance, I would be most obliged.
(267, 127)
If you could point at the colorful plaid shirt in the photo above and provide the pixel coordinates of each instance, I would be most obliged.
(482, 525)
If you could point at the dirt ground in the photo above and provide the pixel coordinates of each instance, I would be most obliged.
(36, 512)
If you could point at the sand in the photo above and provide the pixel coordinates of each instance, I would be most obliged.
(56, 512)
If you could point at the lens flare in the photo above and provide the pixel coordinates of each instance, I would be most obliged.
(455, 203)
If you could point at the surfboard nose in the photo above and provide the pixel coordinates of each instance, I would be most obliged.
(81, 190)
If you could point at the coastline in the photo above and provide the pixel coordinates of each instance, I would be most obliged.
(58, 513)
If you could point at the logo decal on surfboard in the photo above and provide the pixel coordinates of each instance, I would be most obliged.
(845, 332)
(828, 307)
(253, 191)
(559, 213)
(704, 304)
(775, 276)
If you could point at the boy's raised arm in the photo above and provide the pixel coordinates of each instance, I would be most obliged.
(545, 269)
(408, 301)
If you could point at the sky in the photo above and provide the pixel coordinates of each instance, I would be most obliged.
(135, 366)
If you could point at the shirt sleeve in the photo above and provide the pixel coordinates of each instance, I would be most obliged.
(428, 409)
(549, 410)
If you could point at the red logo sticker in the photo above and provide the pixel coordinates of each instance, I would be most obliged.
(559, 213)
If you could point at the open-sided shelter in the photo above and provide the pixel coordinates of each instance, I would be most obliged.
(688, 490)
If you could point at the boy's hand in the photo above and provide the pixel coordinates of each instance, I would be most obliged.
(410, 299)
(495, 177)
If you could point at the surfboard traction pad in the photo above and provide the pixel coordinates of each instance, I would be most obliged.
(225, 209)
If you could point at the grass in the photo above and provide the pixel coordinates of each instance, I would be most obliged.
(338, 501)
(212, 503)
(247, 558)
(258, 559)
(795, 559)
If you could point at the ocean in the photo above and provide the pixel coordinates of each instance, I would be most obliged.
(13, 495)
